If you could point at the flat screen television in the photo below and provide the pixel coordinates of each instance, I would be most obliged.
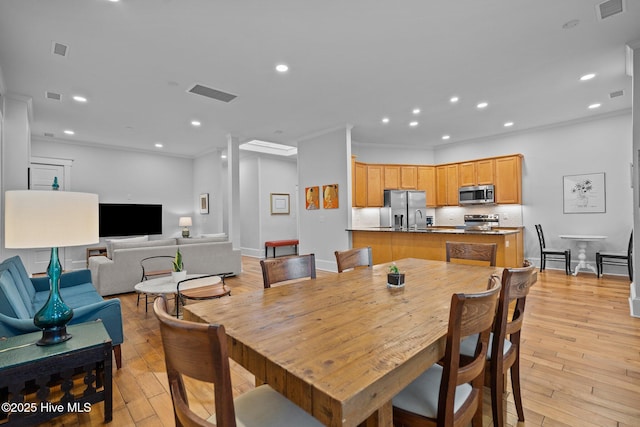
(121, 219)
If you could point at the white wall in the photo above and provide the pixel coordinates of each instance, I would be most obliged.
(209, 172)
(322, 160)
(599, 145)
(119, 176)
(261, 175)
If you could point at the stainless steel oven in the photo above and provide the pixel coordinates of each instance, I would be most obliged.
(476, 195)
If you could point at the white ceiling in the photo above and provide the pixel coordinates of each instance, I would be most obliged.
(351, 61)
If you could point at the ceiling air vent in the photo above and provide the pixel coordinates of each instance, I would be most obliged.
(212, 93)
(616, 94)
(610, 8)
(60, 49)
(54, 96)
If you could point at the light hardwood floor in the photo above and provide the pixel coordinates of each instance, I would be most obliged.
(580, 360)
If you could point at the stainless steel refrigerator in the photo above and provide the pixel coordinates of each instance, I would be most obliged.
(404, 209)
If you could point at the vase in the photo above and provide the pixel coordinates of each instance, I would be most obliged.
(179, 276)
(395, 279)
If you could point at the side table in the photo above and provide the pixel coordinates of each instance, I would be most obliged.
(32, 370)
(96, 251)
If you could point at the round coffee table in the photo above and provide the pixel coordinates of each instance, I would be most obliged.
(166, 285)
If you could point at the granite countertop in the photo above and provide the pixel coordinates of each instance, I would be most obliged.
(441, 230)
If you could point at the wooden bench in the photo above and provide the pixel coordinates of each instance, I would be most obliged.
(277, 243)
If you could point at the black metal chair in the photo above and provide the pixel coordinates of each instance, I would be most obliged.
(552, 254)
(616, 258)
(153, 267)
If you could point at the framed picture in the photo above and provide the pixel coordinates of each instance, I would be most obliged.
(204, 203)
(279, 204)
(330, 196)
(312, 198)
(584, 193)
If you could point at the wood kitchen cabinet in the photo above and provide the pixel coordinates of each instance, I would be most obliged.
(508, 179)
(447, 185)
(392, 177)
(408, 177)
(426, 181)
(375, 185)
(480, 172)
(359, 185)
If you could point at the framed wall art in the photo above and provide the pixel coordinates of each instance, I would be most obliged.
(330, 196)
(312, 198)
(204, 203)
(279, 204)
(584, 193)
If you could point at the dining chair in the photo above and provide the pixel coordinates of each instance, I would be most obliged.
(152, 267)
(449, 393)
(199, 351)
(475, 253)
(552, 254)
(352, 258)
(275, 270)
(616, 258)
(504, 341)
(201, 293)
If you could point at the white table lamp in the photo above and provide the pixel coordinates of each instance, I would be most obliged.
(185, 222)
(43, 219)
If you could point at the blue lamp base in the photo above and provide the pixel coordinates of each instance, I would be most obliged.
(53, 317)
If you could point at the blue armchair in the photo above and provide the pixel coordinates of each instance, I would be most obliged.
(21, 297)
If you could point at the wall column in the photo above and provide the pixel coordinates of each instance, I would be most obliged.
(232, 210)
(633, 63)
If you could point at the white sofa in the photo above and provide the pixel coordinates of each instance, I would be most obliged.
(120, 270)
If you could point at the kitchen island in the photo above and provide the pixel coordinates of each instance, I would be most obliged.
(388, 244)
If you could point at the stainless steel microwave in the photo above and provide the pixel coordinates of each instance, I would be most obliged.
(476, 195)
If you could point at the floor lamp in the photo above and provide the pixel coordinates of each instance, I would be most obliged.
(51, 219)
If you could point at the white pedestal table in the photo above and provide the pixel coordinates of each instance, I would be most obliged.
(582, 241)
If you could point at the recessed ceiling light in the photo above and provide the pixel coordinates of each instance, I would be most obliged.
(508, 124)
(593, 106)
(570, 24)
(69, 132)
(79, 98)
(282, 68)
(416, 111)
(158, 145)
(454, 99)
(587, 77)
(445, 137)
(413, 124)
(114, 1)
(195, 123)
(385, 120)
(223, 156)
(482, 105)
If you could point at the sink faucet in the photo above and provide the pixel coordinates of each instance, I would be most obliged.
(415, 217)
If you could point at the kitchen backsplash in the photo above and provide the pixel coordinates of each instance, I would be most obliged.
(510, 215)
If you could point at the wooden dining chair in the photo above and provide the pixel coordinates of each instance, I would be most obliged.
(352, 258)
(203, 292)
(472, 253)
(552, 254)
(275, 270)
(616, 258)
(448, 393)
(504, 351)
(199, 351)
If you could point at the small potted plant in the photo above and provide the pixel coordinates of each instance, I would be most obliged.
(178, 273)
(394, 277)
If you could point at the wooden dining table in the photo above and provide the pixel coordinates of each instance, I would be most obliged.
(341, 346)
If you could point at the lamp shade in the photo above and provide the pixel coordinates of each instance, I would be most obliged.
(45, 219)
(185, 221)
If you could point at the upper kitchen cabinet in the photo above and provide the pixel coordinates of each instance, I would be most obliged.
(359, 184)
(508, 179)
(447, 185)
(375, 185)
(479, 172)
(400, 177)
(426, 181)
